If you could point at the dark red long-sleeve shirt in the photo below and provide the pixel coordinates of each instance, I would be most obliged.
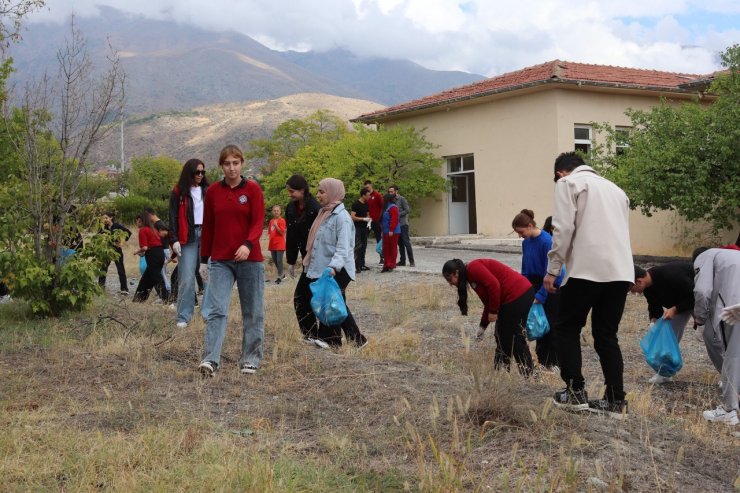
(232, 217)
(495, 284)
(375, 205)
(149, 238)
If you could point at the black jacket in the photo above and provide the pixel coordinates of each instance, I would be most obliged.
(673, 285)
(298, 228)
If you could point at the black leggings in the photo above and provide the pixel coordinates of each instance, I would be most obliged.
(509, 334)
(152, 277)
(121, 271)
(309, 324)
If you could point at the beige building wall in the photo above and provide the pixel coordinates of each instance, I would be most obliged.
(515, 140)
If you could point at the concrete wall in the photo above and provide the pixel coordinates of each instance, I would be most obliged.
(515, 140)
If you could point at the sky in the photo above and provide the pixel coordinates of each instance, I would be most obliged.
(487, 37)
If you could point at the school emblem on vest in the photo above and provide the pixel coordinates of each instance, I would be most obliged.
(242, 199)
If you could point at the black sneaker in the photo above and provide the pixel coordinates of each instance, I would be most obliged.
(571, 400)
(412, 264)
(402, 264)
(613, 409)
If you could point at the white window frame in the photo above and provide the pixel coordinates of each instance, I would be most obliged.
(588, 142)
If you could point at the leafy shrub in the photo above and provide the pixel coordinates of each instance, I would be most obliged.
(128, 207)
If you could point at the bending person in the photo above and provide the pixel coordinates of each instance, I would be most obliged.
(506, 296)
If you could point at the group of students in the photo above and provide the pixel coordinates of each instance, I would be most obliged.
(590, 236)
(215, 231)
(387, 216)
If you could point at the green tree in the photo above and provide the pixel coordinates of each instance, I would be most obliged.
(50, 132)
(153, 177)
(291, 135)
(391, 155)
(684, 158)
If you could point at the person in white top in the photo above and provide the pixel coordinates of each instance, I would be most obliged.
(186, 217)
(591, 237)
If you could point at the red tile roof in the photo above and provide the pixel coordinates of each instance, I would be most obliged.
(554, 71)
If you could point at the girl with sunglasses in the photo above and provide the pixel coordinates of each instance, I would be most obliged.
(186, 217)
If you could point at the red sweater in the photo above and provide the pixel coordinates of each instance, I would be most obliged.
(495, 284)
(375, 205)
(149, 238)
(232, 217)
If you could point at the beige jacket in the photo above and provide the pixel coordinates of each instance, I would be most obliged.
(591, 229)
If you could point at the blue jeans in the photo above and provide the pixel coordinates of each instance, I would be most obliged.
(250, 281)
(188, 263)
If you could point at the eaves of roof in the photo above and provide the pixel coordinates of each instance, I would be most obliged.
(688, 89)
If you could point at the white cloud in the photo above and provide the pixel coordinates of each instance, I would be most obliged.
(482, 36)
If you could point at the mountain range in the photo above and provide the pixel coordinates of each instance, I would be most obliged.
(173, 67)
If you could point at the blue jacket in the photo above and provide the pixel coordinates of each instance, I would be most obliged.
(385, 221)
(334, 245)
(534, 263)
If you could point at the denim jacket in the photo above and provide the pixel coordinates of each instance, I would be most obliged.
(334, 245)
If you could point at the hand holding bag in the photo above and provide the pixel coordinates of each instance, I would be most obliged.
(142, 265)
(327, 301)
(537, 324)
(660, 347)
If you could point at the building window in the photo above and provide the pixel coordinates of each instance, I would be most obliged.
(582, 138)
(459, 164)
(621, 142)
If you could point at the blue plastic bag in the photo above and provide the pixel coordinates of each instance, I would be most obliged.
(142, 265)
(537, 325)
(327, 302)
(379, 247)
(661, 350)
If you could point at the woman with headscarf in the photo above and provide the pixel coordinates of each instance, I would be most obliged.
(330, 245)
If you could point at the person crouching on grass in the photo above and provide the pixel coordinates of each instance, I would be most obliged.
(506, 297)
(233, 217)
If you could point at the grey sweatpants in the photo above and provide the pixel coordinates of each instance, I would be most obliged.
(730, 366)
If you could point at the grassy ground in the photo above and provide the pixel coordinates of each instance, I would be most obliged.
(111, 400)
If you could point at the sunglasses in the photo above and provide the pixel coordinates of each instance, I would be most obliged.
(199, 173)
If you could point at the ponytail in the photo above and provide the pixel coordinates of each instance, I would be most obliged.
(449, 268)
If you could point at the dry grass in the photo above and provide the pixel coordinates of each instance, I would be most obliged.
(111, 400)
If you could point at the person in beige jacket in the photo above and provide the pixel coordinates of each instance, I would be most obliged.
(591, 237)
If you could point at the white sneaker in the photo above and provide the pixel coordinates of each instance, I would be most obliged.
(248, 369)
(321, 344)
(182, 325)
(659, 379)
(207, 368)
(719, 415)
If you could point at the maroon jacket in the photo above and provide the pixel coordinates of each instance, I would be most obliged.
(375, 205)
(232, 217)
(495, 284)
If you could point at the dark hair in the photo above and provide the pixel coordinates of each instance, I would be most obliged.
(698, 252)
(567, 161)
(548, 225)
(298, 182)
(394, 187)
(388, 199)
(149, 210)
(449, 268)
(144, 217)
(364, 191)
(639, 272)
(367, 182)
(230, 150)
(187, 176)
(523, 219)
(110, 214)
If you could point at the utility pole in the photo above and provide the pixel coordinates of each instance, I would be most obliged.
(123, 166)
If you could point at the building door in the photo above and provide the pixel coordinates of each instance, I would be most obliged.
(461, 199)
(459, 221)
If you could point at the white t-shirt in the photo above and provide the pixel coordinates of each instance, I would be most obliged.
(197, 194)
